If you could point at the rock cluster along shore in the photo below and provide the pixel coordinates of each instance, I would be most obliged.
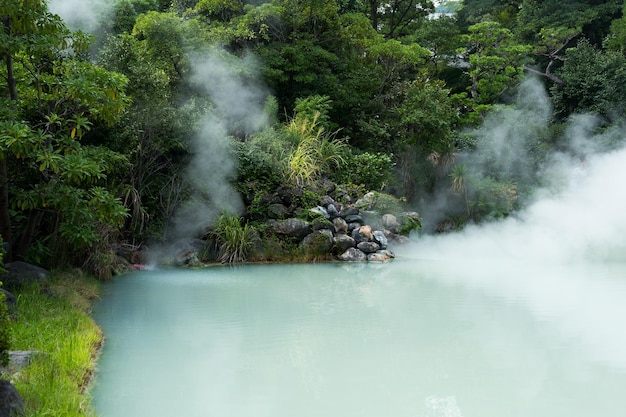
(344, 231)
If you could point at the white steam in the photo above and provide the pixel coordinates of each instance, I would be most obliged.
(85, 15)
(237, 108)
(579, 214)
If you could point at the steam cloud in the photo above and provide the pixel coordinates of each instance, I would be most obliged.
(237, 109)
(85, 15)
(577, 216)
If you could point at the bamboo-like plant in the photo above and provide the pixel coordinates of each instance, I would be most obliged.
(316, 151)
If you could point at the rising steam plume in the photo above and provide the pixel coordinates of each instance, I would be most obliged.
(237, 108)
(576, 216)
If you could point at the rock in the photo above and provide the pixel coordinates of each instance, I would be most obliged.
(327, 200)
(368, 247)
(321, 210)
(380, 238)
(318, 243)
(366, 202)
(354, 218)
(332, 211)
(366, 231)
(11, 403)
(295, 228)
(391, 223)
(321, 224)
(379, 256)
(360, 237)
(19, 359)
(21, 273)
(353, 255)
(340, 225)
(277, 211)
(342, 243)
(349, 211)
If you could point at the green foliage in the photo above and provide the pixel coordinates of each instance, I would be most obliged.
(374, 171)
(593, 82)
(233, 239)
(410, 224)
(316, 152)
(261, 157)
(495, 59)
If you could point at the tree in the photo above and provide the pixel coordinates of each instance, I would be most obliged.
(398, 18)
(495, 63)
(593, 81)
(50, 181)
(591, 17)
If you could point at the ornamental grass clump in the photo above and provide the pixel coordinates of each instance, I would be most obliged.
(233, 239)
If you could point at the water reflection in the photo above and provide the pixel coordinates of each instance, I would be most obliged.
(412, 338)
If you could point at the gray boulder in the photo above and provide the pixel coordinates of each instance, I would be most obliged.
(380, 238)
(321, 210)
(11, 403)
(354, 218)
(391, 223)
(380, 256)
(353, 255)
(340, 225)
(342, 243)
(20, 274)
(295, 228)
(319, 242)
(368, 247)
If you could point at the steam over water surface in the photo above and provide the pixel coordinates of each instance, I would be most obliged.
(417, 337)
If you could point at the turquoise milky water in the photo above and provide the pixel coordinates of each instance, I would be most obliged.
(410, 338)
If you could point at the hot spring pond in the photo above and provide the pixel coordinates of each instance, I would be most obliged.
(409, 338)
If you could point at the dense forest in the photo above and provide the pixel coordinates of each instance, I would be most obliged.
(184, 118)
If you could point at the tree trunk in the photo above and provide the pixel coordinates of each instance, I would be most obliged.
(25, 239)
(5, 216)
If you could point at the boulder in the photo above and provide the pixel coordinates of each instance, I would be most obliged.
(342, 243)
(366, 231)
(332, 211)
(353, 255)
(349, 211)
(318, 243)
(321, 210)
(295, 228)
(354, 218)
(21, 273)
(366, 202)
(379, 256)
(391, 223)
(380, 238)
(11, 403)
(341, 227)
(277, 211)
(368, 247)
(361, 237)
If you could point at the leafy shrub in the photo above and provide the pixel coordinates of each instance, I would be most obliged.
(372, 170)
(261, 158)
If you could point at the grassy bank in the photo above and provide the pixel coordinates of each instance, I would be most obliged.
(56, 321)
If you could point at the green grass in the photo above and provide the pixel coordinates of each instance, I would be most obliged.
(56, 321)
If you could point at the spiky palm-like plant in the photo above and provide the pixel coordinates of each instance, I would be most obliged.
(459, 182)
